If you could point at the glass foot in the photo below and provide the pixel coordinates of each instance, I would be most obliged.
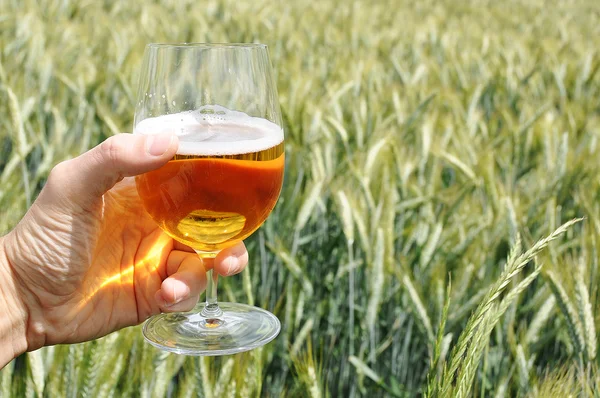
(241, 328)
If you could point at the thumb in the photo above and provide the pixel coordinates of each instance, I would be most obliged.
(88, 176)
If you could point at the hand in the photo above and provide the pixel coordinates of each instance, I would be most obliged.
(87, 259)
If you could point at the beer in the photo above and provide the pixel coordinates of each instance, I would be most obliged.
(222, 183)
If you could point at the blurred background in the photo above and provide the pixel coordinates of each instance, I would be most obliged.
(424, 140)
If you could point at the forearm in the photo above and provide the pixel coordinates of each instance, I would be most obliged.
(13, 317)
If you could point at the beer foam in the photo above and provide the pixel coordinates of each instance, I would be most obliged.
(213, 130)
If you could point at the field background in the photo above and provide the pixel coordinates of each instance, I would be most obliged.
(424, 140)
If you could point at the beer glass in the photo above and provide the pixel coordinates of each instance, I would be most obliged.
(221, 101)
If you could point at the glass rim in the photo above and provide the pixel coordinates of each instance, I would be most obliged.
(207, 45)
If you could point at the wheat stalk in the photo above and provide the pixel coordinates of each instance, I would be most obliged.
(564, 303)
(475, 335)
(433, 378)
(586, 316)
(541, 317)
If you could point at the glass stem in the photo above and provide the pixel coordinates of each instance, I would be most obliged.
(211, 309)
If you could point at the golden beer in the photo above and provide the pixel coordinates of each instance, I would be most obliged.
(211, 202)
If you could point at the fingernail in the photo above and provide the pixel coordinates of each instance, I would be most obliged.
(158, 144)
(180, 294)
(234, 267)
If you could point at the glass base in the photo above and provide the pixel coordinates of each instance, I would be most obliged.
(241, 328)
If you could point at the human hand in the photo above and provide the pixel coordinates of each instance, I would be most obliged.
(87, 259)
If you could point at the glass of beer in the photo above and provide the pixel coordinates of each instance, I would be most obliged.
(221, 101)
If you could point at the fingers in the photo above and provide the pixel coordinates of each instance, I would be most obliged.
(187, 276)
(87, 177)
(232, 260)
(182, 247)
(182, 306)
(181, 290)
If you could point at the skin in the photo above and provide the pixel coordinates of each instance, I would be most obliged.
(87, 259)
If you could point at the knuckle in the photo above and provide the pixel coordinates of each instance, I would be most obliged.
(109, 150)
(58, 170)
(58, 174)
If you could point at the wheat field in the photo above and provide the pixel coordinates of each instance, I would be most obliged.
(422, 246)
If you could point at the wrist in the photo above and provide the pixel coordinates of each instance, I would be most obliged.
(13, 312)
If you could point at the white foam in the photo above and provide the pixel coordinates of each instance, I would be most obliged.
(213, 130)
